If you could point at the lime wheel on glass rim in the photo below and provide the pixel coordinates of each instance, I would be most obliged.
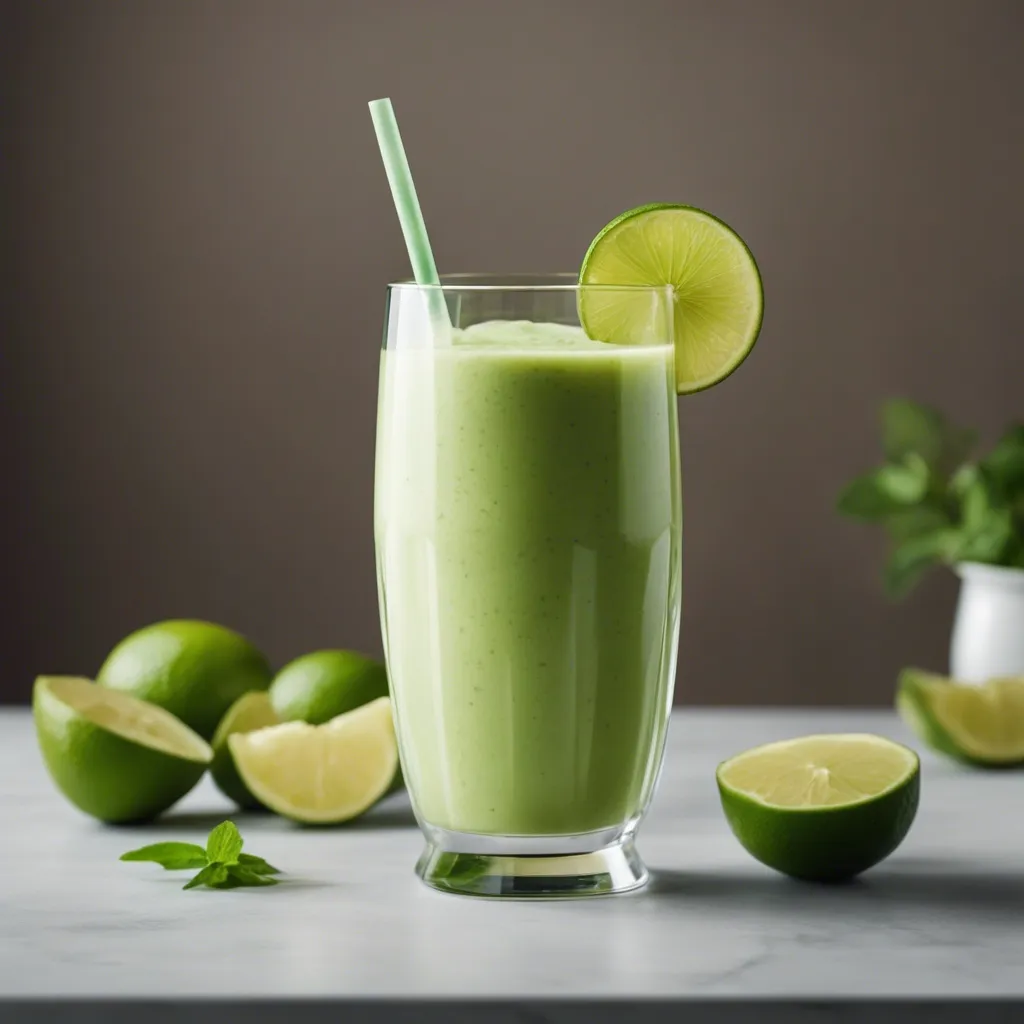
(718, 300)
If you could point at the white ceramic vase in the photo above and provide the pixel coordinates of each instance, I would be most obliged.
(988, 631)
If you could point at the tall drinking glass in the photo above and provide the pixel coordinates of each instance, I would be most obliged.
(528, 528)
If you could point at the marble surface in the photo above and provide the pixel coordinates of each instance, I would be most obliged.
(943, 917)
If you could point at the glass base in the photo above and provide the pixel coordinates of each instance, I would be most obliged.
(612, 869)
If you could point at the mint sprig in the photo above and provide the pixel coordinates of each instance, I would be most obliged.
(938, 505)
(223, 864)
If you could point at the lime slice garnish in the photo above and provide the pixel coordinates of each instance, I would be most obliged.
(982, 725)
(821, 808)
(115, 757)
(715, 281)
(321, 774)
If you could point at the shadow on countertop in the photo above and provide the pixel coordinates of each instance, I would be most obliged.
(394, 812)
(916, 882)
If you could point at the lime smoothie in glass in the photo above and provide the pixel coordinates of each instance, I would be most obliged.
(528, 533)
(528, 528)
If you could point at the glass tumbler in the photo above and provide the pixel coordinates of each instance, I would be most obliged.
(527, 519)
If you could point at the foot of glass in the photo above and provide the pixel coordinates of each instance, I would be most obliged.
(612, 869)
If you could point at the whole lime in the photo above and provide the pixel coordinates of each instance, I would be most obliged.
(324, 684)
(196, 670)
(114, 757)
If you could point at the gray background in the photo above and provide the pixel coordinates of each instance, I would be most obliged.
(196, 233)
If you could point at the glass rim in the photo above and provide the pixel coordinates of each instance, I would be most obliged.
(561, 281)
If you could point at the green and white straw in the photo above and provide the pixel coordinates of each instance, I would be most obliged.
(407, 204)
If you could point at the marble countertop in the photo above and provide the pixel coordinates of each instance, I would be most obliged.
(943, 917)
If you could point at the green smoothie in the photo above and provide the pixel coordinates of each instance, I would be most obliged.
(528, 546)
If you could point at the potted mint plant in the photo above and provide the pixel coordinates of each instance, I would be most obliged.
(940, 506)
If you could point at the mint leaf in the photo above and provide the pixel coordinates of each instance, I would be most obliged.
(212, 876)
(242, 875)
(909, 427)
(886, 491)
(988, 530)
(917, 519)
(911, 559)
(257, 864)
(980, 495)
(904, 482)
(1005, 463)
(224, 844)
(989, 539)
(866, 498)
(171, 856)
(223, 864)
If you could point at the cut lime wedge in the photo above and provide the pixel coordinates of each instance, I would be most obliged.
(981, 725)
(321, 774)
(251, 711)
(715, 281)
(821, 808)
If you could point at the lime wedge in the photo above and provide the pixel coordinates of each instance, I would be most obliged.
(321, 774)
(982, 725)
(113, 756)
(251, 711)
(717, 287)
(821, 808)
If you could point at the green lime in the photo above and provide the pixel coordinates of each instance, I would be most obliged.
(114, 757)
(196, 670)
(251, 711)
(821, 808)
(716, 285)
(321, 774)
(982, 725)
(324, 684)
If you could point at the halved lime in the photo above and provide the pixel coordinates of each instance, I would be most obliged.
(981, 725)
(321, 774)
(821, 808)
(716, 285)
(115, 757)
(251, 711)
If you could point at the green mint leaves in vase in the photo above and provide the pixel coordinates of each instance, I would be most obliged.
(939, 506)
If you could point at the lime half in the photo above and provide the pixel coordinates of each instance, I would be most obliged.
(321, 774)
(113, 756)
(981, 725)
(821, 808)
(718, 299)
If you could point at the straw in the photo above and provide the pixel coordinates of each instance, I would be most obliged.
(407, 204)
